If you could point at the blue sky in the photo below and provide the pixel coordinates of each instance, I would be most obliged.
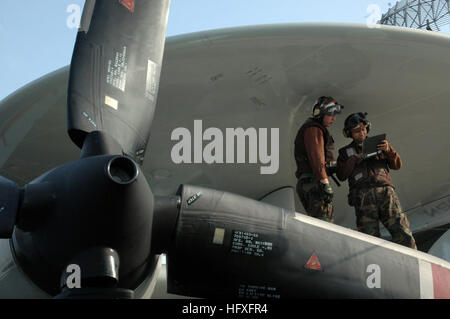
(36, 38)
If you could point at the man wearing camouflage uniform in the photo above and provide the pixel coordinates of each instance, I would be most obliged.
(314, 154)
(371, 190)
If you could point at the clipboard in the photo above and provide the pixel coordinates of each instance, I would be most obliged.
(370, 144)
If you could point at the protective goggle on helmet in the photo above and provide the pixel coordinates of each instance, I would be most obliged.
(333, 109)
(352, 122)
(326, 105)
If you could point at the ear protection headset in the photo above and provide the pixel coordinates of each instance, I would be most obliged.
(353, 120)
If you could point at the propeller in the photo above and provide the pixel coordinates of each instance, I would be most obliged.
(97, 210)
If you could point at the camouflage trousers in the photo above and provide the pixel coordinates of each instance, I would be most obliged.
(381, 204)
(309, 193)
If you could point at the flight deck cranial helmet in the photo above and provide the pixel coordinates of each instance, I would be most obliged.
(352, 121)
(326, 105)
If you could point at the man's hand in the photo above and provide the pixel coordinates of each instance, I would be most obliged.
(384, 146)
(326, 192)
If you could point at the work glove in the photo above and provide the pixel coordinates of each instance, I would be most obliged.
(326, 193)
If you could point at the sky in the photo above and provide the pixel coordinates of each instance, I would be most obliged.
(37, 37)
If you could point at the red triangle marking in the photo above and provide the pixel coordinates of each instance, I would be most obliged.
(129, 4)
(313, 263)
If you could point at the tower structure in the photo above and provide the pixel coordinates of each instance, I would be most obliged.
(419, 14)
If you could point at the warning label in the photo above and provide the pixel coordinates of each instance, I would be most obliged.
(249, 244)
(117, 70)
(151, 84)
(129, 4)
(313, 263)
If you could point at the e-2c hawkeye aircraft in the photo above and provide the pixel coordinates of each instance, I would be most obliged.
(234, 227)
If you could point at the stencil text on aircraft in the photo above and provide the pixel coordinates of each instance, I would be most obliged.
(247, 243)
(117, 70)
(258, 291)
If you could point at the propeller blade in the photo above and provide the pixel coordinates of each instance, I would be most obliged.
(226, 245)
(100, 267)
(115, 70)
(9, 205)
